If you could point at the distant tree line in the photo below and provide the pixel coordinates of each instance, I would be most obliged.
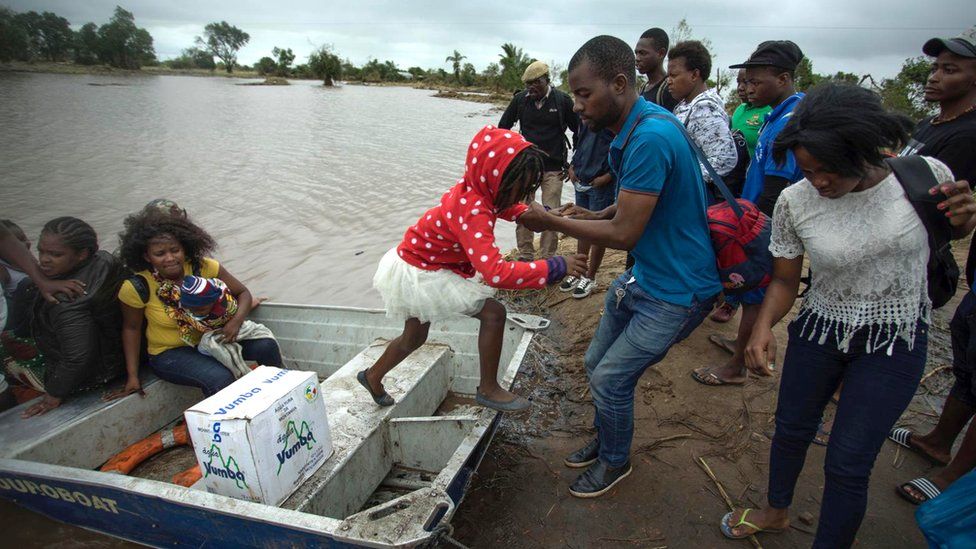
(45, 36)
(33, 36)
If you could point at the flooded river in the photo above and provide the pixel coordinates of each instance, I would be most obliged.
(304, 188)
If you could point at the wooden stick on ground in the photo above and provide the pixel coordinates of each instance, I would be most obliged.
(933, 372)
(725, 495)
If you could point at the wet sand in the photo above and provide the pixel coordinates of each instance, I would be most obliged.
(520, 495)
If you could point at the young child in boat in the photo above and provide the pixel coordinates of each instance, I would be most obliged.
(449, 266)
(206, 302)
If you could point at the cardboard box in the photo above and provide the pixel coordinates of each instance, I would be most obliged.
(261, 437)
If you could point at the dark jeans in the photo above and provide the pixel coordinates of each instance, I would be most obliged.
(963, 329)
(187, 366)
(633, 334)
(877, 389)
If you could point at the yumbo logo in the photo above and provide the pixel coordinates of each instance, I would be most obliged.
(311, 391)
(303, 438)
(223, 468)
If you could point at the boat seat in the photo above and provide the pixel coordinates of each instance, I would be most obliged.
(85, 430)
(419, 384)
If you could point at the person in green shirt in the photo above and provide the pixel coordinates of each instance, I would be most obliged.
(746, 118)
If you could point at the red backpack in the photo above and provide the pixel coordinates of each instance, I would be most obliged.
(739, 231)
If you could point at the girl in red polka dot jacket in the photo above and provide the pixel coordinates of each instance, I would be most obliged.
(448, 264)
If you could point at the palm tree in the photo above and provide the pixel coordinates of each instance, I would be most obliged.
(514, 62)
(456, 60)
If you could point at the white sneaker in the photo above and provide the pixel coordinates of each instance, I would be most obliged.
(583, 288)
(568, 284)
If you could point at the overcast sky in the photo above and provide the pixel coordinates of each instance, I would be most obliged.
(861, 36)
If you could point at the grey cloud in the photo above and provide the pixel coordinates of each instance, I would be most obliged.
(851, 35)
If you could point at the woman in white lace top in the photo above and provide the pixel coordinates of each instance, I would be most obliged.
(700, 108)
(864, 322)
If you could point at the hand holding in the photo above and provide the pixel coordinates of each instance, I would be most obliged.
(575, 264)
(536, 218)
(50, 288)
(960, 205)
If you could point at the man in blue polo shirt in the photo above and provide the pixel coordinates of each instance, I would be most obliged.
(769, 75)
(660, 217)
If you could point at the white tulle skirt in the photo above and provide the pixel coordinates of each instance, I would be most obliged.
(409, 292)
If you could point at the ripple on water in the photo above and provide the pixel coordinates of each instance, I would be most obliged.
(292, 181)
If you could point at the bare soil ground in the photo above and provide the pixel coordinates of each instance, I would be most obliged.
(520, 496)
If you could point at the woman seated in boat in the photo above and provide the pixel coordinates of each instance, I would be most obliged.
(78, 339)
(162, 249)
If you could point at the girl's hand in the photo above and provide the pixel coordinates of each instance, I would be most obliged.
(46, 404)
(575, 264)
(761, 351)
(132, 385)
(535, 219)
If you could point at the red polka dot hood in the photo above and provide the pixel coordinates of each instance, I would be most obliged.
(459, 233)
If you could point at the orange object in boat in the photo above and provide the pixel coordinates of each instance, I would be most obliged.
(127, 460)
(188, 477)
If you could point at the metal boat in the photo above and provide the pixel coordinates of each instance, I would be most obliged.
(397, 476)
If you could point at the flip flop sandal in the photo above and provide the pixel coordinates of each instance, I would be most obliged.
(903, 438)
(727, 530)
(712, 380)
(821, 432)
(722, 342)
(530, 322)
(926, 487)
(383, 399)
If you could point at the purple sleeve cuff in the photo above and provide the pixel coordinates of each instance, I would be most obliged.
(557, 269)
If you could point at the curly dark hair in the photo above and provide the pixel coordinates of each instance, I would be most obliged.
(146, 225)
(695, 56)
(845, 127)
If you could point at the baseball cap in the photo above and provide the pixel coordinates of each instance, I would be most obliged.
(964, 44)
(773, 53)
(537, 69)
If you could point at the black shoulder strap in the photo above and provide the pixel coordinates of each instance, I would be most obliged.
(916, 177)
(141, 286)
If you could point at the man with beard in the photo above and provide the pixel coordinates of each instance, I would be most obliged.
(660, 217)
(543, 114)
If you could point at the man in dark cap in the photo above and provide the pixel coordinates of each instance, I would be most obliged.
(950, 136)
(770, 71)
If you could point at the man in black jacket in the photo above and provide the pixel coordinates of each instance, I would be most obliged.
(543, 114)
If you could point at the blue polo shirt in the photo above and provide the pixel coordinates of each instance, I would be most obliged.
(675, 261)
(590, 158)
(763, 165)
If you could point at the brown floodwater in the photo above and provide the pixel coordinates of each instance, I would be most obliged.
(303, 187)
